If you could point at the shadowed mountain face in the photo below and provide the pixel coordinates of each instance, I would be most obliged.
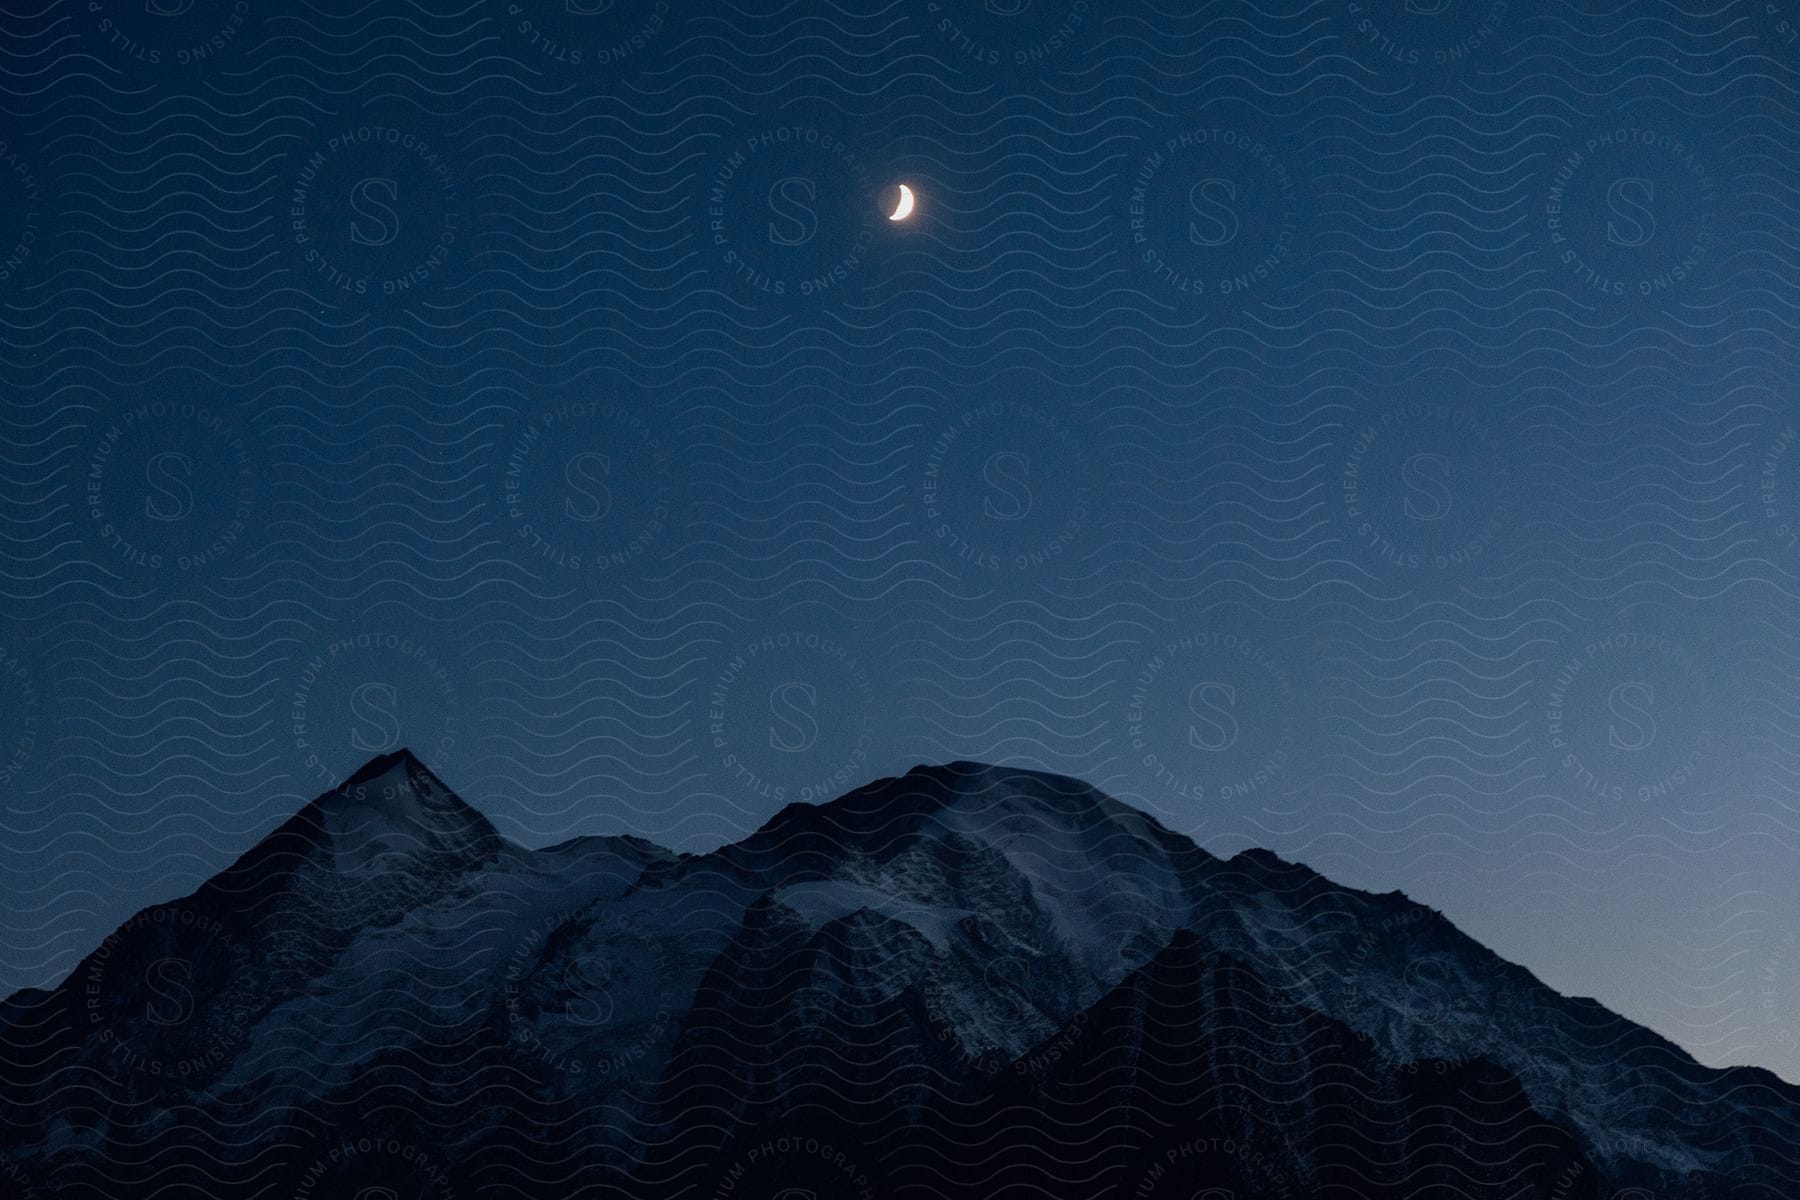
(966, 981)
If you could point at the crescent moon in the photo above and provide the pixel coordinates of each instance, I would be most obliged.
(903, 209)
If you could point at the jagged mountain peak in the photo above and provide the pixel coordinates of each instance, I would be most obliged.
(393, 764)
(392, 810)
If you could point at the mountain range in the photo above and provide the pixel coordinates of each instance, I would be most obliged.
(968, 980)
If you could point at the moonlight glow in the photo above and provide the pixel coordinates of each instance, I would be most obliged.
(897, 202)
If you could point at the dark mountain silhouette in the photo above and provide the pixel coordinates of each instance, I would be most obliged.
(966, 981)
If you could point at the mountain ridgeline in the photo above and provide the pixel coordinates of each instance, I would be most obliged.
(969, 980)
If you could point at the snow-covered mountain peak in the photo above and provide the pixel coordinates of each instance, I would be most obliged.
(395, 811)
(1052, 866)
(978, 803)
(902, 944)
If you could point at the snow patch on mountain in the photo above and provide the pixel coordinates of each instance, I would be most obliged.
(820, 902)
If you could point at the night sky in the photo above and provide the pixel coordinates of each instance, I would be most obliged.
(1364, 431)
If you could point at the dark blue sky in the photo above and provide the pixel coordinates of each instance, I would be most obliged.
(1366, 431)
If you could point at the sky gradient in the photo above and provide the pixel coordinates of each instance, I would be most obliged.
(1368, 437)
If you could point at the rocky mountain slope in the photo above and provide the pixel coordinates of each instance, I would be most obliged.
(968, 980)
